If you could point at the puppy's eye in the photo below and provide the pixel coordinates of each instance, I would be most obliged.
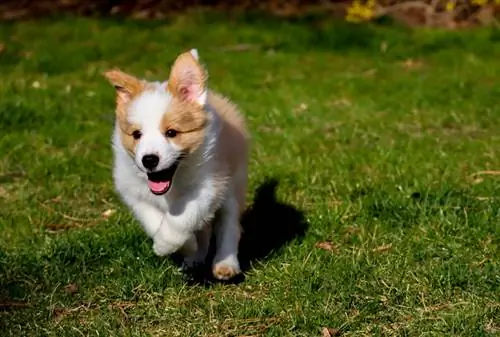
(136, 134)
(171, 133)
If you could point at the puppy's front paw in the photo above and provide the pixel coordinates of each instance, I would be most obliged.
(226, 269)
(162, 248)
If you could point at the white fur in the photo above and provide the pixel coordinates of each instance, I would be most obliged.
(147, 111)
(194, 52)
(179, 220)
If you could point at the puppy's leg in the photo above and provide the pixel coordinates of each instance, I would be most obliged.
(203, 243)
(227, 233)
(152, 219)
(187, 216)
(149, 216)
(190, 247)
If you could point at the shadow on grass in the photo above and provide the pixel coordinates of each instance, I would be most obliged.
(268, 225)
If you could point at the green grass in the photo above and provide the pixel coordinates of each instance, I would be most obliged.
(372, 154)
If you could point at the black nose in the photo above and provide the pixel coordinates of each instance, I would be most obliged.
(150, 161)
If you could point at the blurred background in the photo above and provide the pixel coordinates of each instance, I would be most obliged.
(436, 13)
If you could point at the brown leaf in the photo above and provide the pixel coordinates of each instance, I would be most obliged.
(330, 332)
(2, 47)
(59, 314)
(3, 193)
(71, 288)
(56, 200)
(351, 231)
(411, 64)
(370, 72)
(383, 248)
(301, 108)
(326, 245)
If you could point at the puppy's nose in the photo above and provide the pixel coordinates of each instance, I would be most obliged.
(150, 161)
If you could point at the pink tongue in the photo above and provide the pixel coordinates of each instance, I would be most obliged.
(158, 186)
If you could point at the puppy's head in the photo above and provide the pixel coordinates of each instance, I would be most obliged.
(162, 123)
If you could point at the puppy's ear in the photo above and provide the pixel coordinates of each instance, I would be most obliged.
(188, 78)
(127, 86)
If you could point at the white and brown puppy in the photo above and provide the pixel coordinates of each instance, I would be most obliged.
(180, 158)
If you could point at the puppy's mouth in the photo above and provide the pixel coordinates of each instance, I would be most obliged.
(160, 182)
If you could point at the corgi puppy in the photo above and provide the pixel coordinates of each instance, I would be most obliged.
(180, 163)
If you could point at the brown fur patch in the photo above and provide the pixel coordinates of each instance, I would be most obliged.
(186, 81)
(127, 88)
(126, 130)
(189, 120)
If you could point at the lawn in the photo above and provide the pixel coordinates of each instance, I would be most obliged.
(373, 200)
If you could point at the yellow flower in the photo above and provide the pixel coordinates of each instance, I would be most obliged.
(479, 2)
(358, 12)
(450, 6)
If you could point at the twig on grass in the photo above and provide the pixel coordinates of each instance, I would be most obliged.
(65, 216)
(13, 304)
(487, 172)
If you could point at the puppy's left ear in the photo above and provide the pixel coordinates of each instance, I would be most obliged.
(188, 79)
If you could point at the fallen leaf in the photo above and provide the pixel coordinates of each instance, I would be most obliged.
(326, 245)
(351, 230)
(59, 314)
(122, 306)
(491, 327)
(3, 193)
(383, 248)
(108, 213)
(330, 332)
(71, 288)
(302, 107)
(56, 199)
(411, 64)
(370, 72)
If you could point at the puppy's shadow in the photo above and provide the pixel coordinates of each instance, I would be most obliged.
(268, 225)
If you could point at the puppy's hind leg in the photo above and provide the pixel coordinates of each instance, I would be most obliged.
(197, 258)
(227, 234)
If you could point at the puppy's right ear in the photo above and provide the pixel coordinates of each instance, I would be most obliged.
(127, 86)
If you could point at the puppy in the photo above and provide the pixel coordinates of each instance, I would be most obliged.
(180, 163)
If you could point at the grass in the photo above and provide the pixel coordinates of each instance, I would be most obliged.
(366, 141)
